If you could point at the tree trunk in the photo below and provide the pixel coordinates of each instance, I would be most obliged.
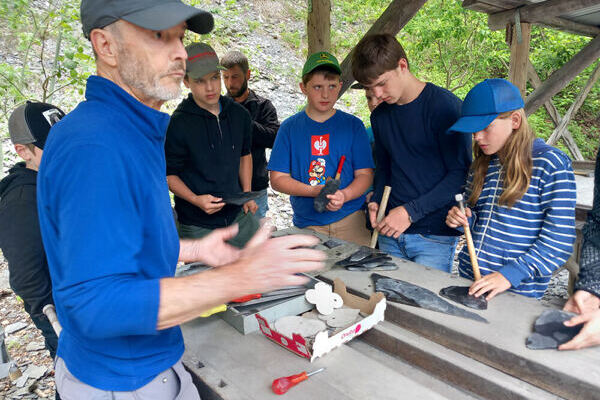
(318, 26)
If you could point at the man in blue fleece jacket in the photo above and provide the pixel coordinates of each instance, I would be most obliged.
(107, 224)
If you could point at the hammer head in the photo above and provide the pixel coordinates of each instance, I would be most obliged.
(458, 197)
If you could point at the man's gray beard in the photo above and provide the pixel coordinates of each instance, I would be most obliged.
(138, 76)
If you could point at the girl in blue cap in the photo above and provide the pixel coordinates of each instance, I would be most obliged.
(521, 194)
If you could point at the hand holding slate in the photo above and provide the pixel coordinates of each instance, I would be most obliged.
(239, 199)
(321, 201)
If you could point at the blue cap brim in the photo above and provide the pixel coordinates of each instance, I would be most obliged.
(472, 123)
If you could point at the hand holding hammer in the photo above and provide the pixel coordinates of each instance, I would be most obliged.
(470, 246)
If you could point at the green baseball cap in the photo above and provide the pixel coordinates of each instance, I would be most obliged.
(202, 59)
(319, 59)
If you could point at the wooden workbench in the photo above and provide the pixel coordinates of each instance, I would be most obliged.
(458, 355)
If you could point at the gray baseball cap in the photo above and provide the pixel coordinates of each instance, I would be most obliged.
(31, 123)
(155, 15)
(202, 59)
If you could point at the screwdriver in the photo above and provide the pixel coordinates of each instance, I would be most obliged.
(282, 385)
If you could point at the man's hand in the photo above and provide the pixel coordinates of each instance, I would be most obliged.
(373, 208)
(336, 200)
(369, 196)
(209, 203)
(582, 302)
(394, 224)
(494, 283)
(590, 333)
(251, 206)
(267, 264)
(212, 249)
(456, 218)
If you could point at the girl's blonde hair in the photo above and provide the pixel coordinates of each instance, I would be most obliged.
(517, 164)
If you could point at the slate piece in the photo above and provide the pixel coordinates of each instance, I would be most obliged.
(417, 296)
(549, 332)
(460, 295)
(321, 201)
(373, 266)
(238, 199)
(363, 256)
(332, 243)
(17, 326)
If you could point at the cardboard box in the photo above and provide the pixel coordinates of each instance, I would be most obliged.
(243, 317)
(323, 344)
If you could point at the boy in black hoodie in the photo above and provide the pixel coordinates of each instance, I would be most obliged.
(207, 152)
(20, 238)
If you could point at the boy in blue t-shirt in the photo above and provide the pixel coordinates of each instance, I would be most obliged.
(308, 149)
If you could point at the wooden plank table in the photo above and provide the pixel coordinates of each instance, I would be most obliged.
(228, 365)
(499, 344)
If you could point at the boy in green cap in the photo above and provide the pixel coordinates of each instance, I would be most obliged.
(308, 150)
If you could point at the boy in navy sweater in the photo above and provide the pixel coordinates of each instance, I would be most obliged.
(424, 166)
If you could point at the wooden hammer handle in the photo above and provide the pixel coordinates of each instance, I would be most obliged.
(380, 214)
(470, 246)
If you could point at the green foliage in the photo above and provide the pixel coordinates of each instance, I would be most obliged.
(49, 56)
(446, 44)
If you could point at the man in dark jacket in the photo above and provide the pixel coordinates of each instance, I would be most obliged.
(586, 300)
(208, 153)
(264, 121)
(20, 238)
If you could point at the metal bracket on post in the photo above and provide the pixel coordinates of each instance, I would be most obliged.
(518, 26)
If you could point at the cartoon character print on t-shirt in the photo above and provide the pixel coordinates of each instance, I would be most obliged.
(316, 172)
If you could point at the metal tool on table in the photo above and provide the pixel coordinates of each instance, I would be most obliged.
(283, 384)
(380, 214)
(257, 298)
(331, 186)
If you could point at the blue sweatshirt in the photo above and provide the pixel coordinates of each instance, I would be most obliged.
(109, 235)
(424, 166)
(533, 238)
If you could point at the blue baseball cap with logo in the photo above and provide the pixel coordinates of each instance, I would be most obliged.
(485, 102)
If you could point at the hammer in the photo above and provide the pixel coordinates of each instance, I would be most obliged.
(50, 312)
(470, 246)
(380, 214)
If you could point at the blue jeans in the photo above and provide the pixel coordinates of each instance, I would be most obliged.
(431, 250)
(263, 204)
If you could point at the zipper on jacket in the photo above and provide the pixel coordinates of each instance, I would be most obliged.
(220, 131)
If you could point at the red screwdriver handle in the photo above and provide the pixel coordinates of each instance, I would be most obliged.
(282, 385)
(340, 166)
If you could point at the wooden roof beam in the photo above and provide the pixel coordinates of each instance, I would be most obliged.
(563, 76)
(547, 13)
(398, 13)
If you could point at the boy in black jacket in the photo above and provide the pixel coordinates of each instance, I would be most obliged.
(20, 238)
(208, 153)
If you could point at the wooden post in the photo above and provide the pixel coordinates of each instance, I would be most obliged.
(561, 78)
(564, 122)
(519, 55)
(318, 26)
(566, 136)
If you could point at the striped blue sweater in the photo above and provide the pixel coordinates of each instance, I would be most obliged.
(530, 240)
